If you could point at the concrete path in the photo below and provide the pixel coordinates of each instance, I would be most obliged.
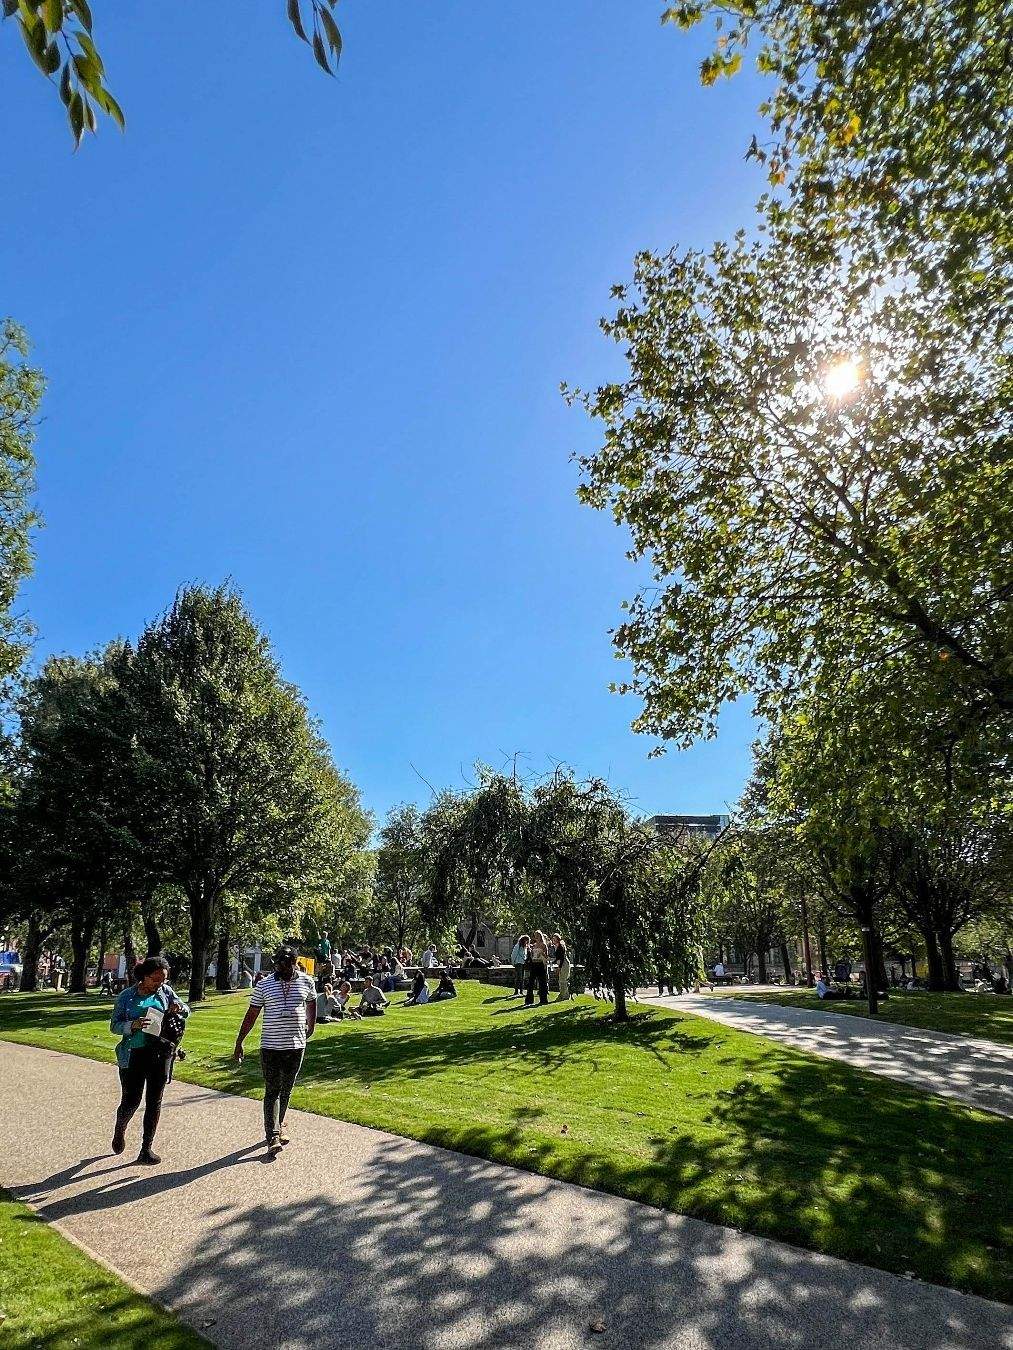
(359, 1238)
(979, 1073)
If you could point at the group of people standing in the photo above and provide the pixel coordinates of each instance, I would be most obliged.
(531, 958)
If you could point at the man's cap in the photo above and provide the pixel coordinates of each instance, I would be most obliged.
(284, 954)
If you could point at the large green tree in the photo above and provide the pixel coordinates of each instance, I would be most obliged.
(818, 471)
(399, 888)
(888, 123)
(226, 761)
(59, 36)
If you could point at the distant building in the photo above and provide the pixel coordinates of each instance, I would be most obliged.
(680, 827)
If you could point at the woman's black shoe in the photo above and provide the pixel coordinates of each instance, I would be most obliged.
(119, 1138)
(146, 1156)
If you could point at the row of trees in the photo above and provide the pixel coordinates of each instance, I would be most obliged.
(178, 779)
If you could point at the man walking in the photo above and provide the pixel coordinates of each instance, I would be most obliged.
(289, 1000)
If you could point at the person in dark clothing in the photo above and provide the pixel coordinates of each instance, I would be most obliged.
(538, 969)
(144, 1059)
(445, 989)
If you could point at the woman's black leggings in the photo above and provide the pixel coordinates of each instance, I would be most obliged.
(538, 973)
(144, 1076)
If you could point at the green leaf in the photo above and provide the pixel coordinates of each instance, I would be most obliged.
(52, 58)
(52, 15)
(333, 33)
(76, 115)
(80, 8)
(10, 8)
(66, 87)
(295, 19)
(90, 50)
(320, 52)
(109, 104)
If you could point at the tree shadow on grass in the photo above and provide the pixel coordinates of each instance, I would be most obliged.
(852, 1166)
(571, 1036)
(425, 1249)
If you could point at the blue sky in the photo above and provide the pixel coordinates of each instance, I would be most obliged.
(308, 334)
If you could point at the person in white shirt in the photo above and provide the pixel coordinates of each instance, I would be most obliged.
(328, 1009)
(428, 959)
(719, 969)
(372, 1003)
(289, 1000)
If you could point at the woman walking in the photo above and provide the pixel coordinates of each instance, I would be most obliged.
(144, 1059)
(538, 969)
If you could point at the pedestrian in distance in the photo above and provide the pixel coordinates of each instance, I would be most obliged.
(289, 1002)
(144, 1058)
(538, 969)
(562, 960)
(518, 957)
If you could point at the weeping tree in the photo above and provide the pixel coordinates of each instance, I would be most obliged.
(627, 899)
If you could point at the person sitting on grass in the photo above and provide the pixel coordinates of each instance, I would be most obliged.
(420, 990)
(445, 989)
(343, 1000)
(372, 1003)
(824, 991)
(327, 1005)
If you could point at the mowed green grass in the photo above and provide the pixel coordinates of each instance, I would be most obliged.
(988, 1016)
(670, 1109)
(52, 1295)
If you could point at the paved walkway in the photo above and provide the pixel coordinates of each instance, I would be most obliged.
(977, 1072)
(354, 1237)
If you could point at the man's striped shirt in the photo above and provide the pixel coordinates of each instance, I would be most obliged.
(284, 1004)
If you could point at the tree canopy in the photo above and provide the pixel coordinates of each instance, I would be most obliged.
(21, 388)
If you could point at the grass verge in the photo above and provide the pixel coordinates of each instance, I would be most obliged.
(987, 1016)
(52, 1295)
(672, 1110)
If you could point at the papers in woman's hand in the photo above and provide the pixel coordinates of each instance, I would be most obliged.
(152, 1025)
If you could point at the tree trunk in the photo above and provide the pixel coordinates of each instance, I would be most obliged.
(951, 981)
(806, 949)
(821, 942)
(81, 933)
(103, 942)
(152, 935)
(129, 950)
(621, 1013)
(786, 962)
(761, 964)
(869, 957)
(202, 903)
(936, 980)
(36, 937)
(222, 961)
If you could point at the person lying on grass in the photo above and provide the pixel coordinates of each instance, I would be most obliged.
(373, 1003)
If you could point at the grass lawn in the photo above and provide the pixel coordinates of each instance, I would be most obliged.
(672, 1110)
(988, 1016)
(52, 1295)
